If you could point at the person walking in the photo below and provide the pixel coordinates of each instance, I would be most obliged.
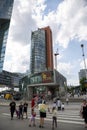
(21, 110)
(58, 102)
(54, 118)
(62, 107)
(33, 103)
(12, 108)
(83, 111)
(25, 106)
(67, 100)
(42, 110)
(32, 118)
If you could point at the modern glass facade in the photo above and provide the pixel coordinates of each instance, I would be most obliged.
(41, 50)
(5, 16)
(38, 51)
(82, 74)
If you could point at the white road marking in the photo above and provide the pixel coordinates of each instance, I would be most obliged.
(63, 120)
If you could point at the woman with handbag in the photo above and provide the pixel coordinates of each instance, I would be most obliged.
(83, 111)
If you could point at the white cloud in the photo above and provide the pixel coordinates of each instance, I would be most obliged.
(65, 68)
(18, 58)
(69, 21)
(68, 70)
(72, 17)
(22, 22)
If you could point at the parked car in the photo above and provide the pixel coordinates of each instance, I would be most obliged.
(17, 96)
(8, 96)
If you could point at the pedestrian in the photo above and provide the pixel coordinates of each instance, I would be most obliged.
(54, 104)
(12, 108)
(58, 102)
(62, 107)
(32, 118)
(33, 103)
(25, 106)
(54, 118)
(42, 110)
(67, 100)
(17, 113)
(83, 111)
(39, 100)
(21, 110)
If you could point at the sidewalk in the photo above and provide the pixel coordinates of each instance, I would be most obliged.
(70, 106)
(4, 102)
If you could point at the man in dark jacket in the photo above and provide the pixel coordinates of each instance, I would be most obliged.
(12, 108)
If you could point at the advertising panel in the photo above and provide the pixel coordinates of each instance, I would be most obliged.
(43, 77)
(46, 77)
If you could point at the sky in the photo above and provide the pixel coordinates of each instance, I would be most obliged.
(68, 22)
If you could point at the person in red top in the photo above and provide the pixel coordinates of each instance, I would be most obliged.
(33, 103)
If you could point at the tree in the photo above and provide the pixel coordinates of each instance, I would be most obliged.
(82, 84)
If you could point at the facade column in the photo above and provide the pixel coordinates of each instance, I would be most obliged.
(30, 92)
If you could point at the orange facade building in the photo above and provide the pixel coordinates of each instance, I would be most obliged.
(49, 48)
(41, 50)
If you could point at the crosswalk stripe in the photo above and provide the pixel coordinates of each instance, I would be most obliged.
(59, 120)
(61, 117)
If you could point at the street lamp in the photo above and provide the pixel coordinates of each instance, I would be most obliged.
(56, 54)
(65, 86)
(82, 46)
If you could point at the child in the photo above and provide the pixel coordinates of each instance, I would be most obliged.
(54, 117)
(25, 107)
(17, 113)
(62, 106)
(21, 111)
(32, 118)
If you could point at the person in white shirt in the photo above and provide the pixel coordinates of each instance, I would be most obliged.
(54, 104)
(62, 107)
(67, 100)
(58, 104)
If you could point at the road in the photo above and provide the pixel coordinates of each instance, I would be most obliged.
(67, 120)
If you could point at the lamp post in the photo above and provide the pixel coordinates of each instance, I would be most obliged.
(82, 46)
(65, 85)
(56, 54)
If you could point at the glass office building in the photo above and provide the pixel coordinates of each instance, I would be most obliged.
(38, 51)
(5, 16)
(41, 50)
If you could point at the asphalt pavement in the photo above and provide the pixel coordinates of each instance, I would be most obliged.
(16, 124)
(67, 120)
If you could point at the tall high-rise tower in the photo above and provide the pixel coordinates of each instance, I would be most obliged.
(5, 16)
(49, 48)
(41, 50)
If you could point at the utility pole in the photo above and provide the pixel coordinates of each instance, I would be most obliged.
(83, 54)
(56, 54)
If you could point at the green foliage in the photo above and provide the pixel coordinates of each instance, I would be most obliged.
(82, 84)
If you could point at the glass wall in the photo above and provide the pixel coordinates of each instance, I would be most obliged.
(38, 51)
(6, 8)
(5, 14)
